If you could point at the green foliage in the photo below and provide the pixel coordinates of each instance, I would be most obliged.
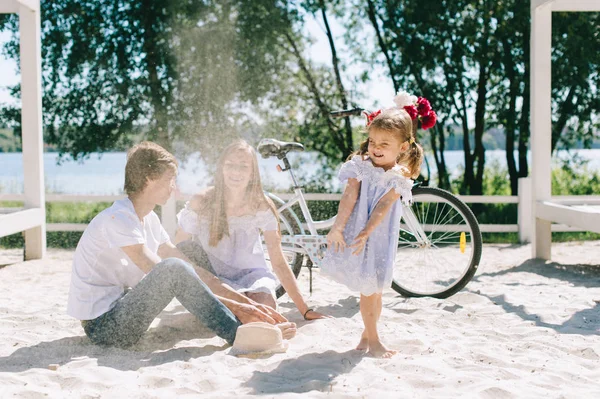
(572, 178)
(73, 212)
(471, 59)
(172, 71)
(8, 141)
(575, 178)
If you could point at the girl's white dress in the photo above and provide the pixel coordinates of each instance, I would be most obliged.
(238, 259)
(372, 270)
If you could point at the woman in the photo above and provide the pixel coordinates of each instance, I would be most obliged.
(226, 220)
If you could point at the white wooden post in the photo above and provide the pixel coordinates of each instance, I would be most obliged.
(525, 211)
(169, 216)
(541, 126)
(31, 122)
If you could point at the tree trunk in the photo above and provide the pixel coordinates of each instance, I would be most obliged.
(348, 139)
(511, 116)
(524, 121)
(461, 109)
(566, 111)
(476, 186)
(382, 44)
(313, 88)
(160, 130)
(437, 133)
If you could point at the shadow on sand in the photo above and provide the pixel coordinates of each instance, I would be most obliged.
(156, 347)
(577, 274)
(585, 322)
(312, 372)
(346, 307)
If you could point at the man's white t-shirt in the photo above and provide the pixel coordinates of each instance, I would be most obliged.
(101, 270)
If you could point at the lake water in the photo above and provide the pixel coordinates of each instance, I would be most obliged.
(104, 175)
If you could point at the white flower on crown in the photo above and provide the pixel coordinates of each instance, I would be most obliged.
(404, 98)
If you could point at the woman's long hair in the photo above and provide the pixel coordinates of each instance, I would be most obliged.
(214, 202)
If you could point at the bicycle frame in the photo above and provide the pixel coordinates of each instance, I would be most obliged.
(312, 225)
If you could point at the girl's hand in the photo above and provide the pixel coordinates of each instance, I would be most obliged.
(312, 315)
(335, 239)
(359, 242)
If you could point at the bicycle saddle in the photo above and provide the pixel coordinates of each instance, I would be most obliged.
(271, 147)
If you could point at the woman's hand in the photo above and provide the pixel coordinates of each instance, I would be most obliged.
(359, 242)
(312, 315)
(335, 239)
(269, 311)
(249, 313)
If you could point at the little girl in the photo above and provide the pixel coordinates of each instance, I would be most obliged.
(363, 241)
(226, 220)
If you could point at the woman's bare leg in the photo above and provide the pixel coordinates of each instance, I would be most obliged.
(370, 310)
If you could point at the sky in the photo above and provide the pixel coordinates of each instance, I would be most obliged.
(379, 91)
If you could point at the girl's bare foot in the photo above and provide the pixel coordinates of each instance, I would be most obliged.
(377, 349)
(363, 345)
(288, 330)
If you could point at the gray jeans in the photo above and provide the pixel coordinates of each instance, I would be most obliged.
(127, 321)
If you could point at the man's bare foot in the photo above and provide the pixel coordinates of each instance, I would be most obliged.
(288, 329)
(363, 345)
(377, 349)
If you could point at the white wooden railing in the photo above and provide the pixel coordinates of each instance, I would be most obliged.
(169, 210)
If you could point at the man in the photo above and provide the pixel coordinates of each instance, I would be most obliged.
(126, 270)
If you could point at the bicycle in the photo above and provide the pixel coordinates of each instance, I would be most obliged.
(441, 249)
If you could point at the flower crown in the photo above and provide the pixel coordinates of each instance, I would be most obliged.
(416, 107)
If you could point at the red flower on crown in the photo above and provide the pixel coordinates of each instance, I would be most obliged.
(412, 111)
(429, 120)
(417, 108)
(371, 116)
(423, 106)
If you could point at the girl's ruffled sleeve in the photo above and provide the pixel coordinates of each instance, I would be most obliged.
(187, 220)
(351, 169)
(402, 185)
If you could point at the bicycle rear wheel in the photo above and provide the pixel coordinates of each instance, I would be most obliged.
(289, 226)
(443, 260)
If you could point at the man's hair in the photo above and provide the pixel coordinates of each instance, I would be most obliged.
(146, 161)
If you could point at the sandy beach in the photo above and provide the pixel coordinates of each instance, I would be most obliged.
(521, 328)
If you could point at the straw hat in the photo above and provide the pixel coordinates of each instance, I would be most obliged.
(258, 338)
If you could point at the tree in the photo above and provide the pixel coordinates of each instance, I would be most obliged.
(172, 71)
(300, 104)
(575, 62)
(443, 54)
(471, 58)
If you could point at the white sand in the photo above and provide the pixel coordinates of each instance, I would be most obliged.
(520, 329)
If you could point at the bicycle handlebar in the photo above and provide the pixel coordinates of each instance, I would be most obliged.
(347, 112)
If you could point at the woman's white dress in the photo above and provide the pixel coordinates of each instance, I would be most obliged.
(238, 259)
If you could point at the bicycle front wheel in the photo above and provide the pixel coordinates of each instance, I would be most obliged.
(439, 248)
